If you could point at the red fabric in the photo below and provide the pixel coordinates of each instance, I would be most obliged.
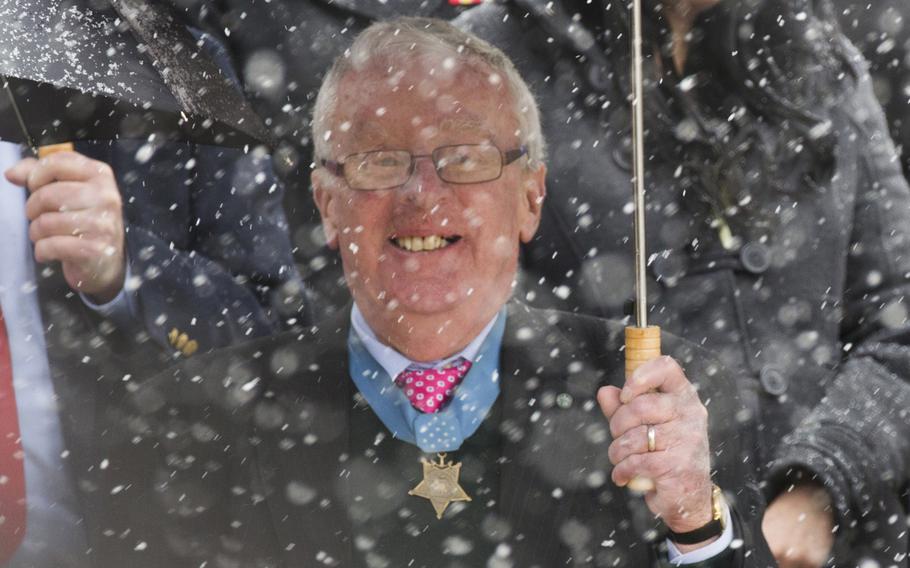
(429, 390)
(12, 468)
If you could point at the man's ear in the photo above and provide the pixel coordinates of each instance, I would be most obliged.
(534, 190)
(324, 196)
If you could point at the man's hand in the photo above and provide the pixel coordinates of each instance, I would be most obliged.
(798, 527)
(659, 394)
(75, 216)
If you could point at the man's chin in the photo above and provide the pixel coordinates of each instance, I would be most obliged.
(449, 302)
(429, 302)
(444, 298)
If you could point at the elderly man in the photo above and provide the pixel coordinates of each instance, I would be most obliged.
(436, 422)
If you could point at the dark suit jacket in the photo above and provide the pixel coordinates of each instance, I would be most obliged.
(210, 247)
(266, 455)
(207, 240)
(206, 235)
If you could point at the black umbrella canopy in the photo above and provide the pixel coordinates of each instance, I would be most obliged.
(78, 69)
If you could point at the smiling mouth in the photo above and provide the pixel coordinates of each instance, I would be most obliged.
(424, 244)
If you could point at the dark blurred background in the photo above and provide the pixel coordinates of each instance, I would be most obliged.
(282, 48)
(881, 30)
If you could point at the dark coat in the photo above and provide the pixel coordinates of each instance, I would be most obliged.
(207, 244)
(211, 261)
(880, 31)
(813, 304)
(92, 362)
(269, 457)
(206, 240)
(206, 236)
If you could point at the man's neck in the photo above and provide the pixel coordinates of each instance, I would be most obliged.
(425, 338)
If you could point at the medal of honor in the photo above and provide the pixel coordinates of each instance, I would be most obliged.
(440, 484)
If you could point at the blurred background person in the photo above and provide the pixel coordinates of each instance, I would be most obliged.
(778, 227)
(881, 30)
(113, 267)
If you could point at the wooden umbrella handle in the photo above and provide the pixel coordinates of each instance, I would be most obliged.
(642, 345)
(45, 151)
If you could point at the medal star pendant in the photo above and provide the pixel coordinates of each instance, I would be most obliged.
(440, 484)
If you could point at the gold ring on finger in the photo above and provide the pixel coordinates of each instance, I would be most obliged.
(652, 439)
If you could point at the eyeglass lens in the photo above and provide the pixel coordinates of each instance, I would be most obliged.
(465, 163)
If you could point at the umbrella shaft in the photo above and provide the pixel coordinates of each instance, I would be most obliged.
(17, 112)
(638, 179)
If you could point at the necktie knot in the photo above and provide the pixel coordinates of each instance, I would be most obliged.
(429, 390)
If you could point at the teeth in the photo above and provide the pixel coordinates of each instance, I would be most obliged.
(417, 244)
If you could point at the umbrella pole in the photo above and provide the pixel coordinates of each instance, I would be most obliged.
(12, 100)
(642, 340)
(40, 151)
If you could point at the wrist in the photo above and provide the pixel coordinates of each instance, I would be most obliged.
(106, 294)
(102, 293)
(694, 532)
(686, 548)
(691, 517)
(109, 287)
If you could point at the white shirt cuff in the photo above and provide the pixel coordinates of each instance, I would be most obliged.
(721, 544)
(121, 309)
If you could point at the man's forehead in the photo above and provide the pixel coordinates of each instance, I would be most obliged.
(419, 63)
(435, 79)
(369, 108)
(425, 127)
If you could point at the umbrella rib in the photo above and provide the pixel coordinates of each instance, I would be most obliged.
(18, 113)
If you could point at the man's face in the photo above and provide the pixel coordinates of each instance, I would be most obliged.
(473, 231)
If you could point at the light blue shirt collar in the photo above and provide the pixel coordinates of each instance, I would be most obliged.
(373, 368)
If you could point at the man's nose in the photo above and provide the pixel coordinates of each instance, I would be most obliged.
(424, 179)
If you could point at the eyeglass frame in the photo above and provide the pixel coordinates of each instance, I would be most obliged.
(336, 167)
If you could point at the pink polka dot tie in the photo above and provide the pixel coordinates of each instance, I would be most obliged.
(429, 390)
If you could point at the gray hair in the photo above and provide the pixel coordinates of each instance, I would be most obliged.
(411, 37)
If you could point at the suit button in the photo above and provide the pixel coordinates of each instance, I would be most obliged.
(773, 381)
(755, 257)
(622, 153)
(599, 78)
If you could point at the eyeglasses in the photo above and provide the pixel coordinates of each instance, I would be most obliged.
(458, 164)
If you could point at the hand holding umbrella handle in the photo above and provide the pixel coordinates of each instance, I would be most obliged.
(44, 151)
(642, 345)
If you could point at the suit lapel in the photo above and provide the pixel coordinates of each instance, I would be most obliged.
(303, 467)
(526, 495)
(556, 490)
